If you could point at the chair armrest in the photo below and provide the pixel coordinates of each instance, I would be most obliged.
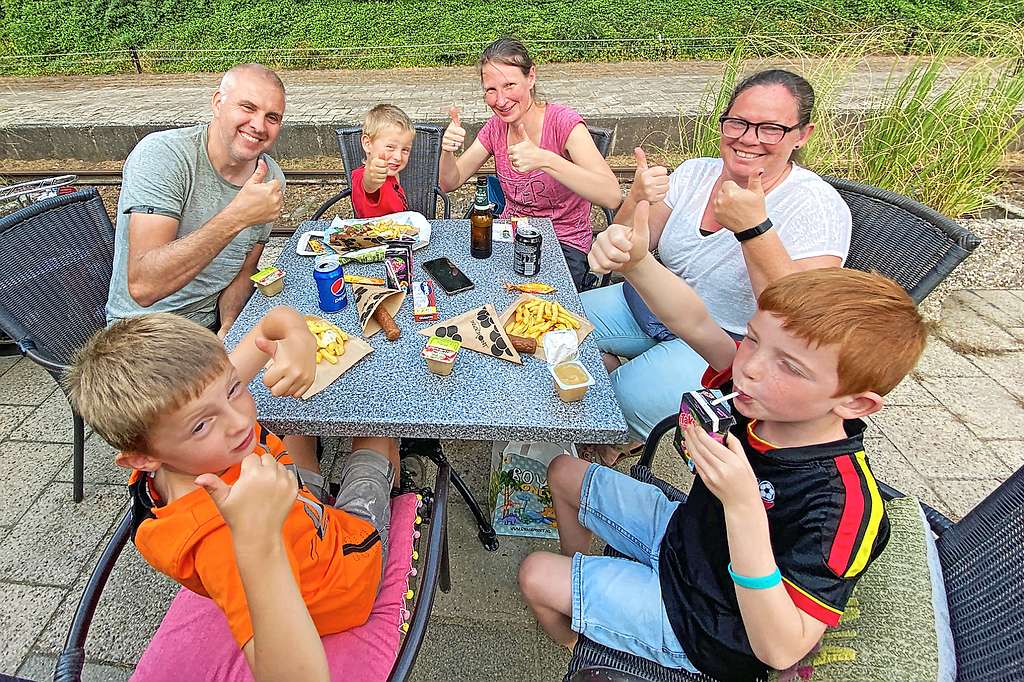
(445, 201)
(654, 438)
(23, 338)
(433, 556)
(69, 665)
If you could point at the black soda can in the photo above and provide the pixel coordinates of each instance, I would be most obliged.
(526, 251)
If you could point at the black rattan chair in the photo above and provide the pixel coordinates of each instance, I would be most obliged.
(419, 178)
(901, 238)
(57, 256)
(433, 572)
(982, 558)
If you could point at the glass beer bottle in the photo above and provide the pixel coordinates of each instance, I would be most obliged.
(481, 221)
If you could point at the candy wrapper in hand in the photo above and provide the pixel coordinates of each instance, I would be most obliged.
(560, 346)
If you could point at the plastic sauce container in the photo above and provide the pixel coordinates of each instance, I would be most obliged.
(270, 281)
(440, 353)
(571, 380)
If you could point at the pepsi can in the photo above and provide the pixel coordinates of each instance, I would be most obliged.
(330, 285)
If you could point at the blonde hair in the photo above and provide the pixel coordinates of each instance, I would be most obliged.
(383, 116)
(138, 369)
(871, 319)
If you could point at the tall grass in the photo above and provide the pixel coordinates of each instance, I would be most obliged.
(936, 132)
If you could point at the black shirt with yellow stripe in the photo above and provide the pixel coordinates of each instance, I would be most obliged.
(827, 524)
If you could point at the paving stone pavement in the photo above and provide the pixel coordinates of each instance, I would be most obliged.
(950, 433)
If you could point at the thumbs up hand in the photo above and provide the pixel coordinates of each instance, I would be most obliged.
(258, 201)
(454, 134)
(376, 172)
(256, 506)
(649, 184)
(525, 156)
(620, 248)
(738, 209)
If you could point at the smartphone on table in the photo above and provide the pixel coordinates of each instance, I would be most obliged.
(448, 275)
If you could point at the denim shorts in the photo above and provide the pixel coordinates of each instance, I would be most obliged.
(617, 602)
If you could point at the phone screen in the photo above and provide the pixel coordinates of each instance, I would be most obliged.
(448, 275)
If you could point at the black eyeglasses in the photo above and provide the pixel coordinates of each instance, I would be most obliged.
(767, 133)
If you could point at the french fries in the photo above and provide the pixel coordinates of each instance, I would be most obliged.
(379, 229)
(535, 317)
(330, 340)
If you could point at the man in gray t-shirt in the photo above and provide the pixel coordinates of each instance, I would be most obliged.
(197, 205)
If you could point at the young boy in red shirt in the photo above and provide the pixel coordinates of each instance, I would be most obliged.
(387, 140)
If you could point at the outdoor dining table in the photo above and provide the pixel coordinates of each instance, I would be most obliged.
(390, 392)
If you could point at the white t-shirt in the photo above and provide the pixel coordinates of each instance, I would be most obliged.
(809, 216)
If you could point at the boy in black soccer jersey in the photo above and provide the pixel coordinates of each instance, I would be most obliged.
(782, 519)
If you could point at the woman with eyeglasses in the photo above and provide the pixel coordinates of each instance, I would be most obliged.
(729, 226)
(544, 157)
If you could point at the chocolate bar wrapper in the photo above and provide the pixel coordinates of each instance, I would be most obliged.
(398, 265)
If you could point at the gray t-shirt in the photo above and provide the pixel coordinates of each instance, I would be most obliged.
(169, 173)
(808, 214)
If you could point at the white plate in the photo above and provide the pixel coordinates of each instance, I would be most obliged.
(404, 218)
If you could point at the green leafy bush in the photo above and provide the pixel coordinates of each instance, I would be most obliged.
(189, 35)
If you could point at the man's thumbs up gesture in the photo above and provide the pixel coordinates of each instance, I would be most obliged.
(525, 156)
(620, 248)
(454, 134)
(738, 209)
(649, 184)
(258, 201)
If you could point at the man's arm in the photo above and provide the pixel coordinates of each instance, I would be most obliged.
(159, 264)
(235, 294)
(625, 249)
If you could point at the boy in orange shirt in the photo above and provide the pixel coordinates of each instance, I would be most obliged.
(387, 140)
(163, 391)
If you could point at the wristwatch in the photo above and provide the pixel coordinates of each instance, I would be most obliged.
(756, 230)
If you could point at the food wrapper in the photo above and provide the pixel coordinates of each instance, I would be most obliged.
(369, 297)
(479, 330)
(560, 345)
(374, 254)
(508, 318)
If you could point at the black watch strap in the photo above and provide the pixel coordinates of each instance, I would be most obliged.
(754, 231)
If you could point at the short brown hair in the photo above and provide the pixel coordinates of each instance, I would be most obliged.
(871, 319)
(130, 373)
(383, 116)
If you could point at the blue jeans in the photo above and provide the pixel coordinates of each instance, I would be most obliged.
(651, 384)
(617, 602)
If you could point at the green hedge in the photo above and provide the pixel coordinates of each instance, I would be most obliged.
(453, 32)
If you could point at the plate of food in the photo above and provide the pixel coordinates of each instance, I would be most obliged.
(312, 243)
(360, 233)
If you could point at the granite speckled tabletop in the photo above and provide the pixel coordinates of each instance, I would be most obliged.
(391, 393)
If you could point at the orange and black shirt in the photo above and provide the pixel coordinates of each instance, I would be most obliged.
(827, 524)
(335, 557)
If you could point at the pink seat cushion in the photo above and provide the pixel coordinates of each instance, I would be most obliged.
(194, 642)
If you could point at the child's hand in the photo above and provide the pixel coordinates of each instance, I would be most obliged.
(256, 506)
(621, 247)
(454, 134)
(294, 367)
(737, 209)
(724, 469)
(525, 156)
(377, 171)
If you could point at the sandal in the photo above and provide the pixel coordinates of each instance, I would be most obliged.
(609, 455)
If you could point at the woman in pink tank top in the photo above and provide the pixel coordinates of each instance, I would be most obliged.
(544, 156)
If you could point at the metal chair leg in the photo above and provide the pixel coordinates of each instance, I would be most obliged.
(431, 449)
(79, 460)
